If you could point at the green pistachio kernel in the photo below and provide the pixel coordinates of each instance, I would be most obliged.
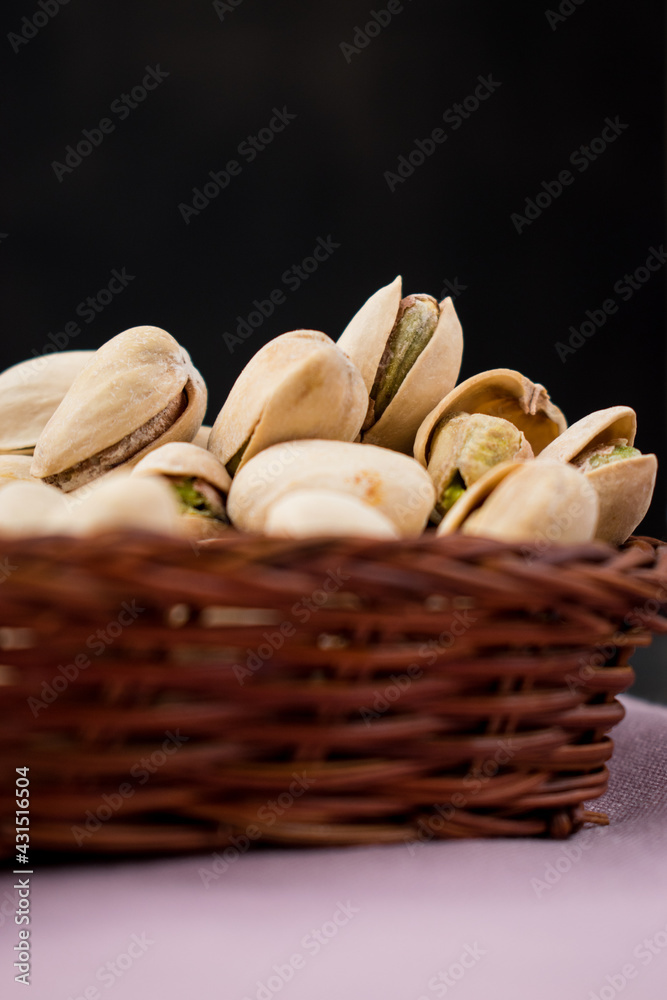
(191, 500)
(619, 452)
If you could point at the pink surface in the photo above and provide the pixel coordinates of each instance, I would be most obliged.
(541, 920)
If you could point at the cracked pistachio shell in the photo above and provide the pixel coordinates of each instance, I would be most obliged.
(31, 392)
(299, 385)
(307, 513)
(531, 502)
(431, 376)
(128, 382)
(202, 436)
(32, 508)
(500, 392)
(178, 459)
(14, 468)
(624, 487)
(392, 483)
(468, 445)
(142, 503)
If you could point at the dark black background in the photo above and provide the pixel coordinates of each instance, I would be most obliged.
(324, 176)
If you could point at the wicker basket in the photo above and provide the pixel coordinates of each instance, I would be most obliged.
(173, 698)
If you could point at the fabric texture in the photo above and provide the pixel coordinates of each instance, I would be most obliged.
(489, 920)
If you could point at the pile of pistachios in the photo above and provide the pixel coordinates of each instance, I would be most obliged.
(368, 436)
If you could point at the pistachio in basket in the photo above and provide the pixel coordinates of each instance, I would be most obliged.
(392, 483)
(30, 393)
(317, 512)
(527, 502)
(199, 481)
(408, 351)
(33, 508)
(601, 445)
(122, 501)
(500, 392)
(138, 391)
(464, 447)
(299, 385)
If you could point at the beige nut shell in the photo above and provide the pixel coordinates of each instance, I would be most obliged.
(392, 483)
(307, 513)
(129, 380)
(14, 468)
(142, 503)
(299, 385)
(31, 392)
(33, 508)
(500, 392)
(432, 376)
(625, 487)
(178, 459)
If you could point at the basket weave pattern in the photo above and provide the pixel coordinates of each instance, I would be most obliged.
(169, 697)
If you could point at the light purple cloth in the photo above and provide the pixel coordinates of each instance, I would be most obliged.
(489, 920)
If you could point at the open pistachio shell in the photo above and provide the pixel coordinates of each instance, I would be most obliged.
(531, 501)
(14, 468)
(624, 486)
(500, 392)
(408, 351)
(306, 513)
(143, 503)
(202, 436)
(299, 385)
(32, 508)
(140, 390)
(392, 483)
(31, 392)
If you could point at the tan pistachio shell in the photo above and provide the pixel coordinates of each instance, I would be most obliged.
(432, 376)
(142, 503)
(202, 529)
(392, 483)
(625, 487)
(129, 380)
(182, 459)
(14, 468)
(474, 497)
(202, 436)
(31, 392)
(306, 513)
(33, 508)
(532, 501)
(299, 385)
(500, 392)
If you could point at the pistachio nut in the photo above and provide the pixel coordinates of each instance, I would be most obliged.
(408, 351)
(202, 436)
(14, 468)
(544, 501)
(499, 392)
(392, 483)
(314, 512)
(31, 392)
(601, 445)
(199, 481)
(33, 508)
(299, 385)
(141, 503)
(463, 448)
(140, 390)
